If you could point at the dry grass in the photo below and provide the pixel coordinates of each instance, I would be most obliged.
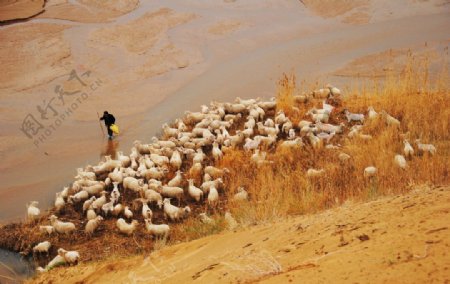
(282, 188)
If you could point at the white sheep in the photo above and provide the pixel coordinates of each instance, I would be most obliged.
(213, 196)
(176, 180)
(321, 93)
(216, 152)
(390, 120)
(92, 225)
(258, 157)
(199, 156)
(98, 203)
(152, 173)
(126, 228)
(241, 195)
(108, 207)
(250, 123)
(196, 170)
(153, 196)
(59, 202)
(146, 211)
(158, 231)
(70, 257)
(115, 193)
(131, 183)
(313, 173)
(206, 185)
(251, 144)
(304, 123)
(175, 160)
(127, 213)
(322, 117)
(194, 192)
(372, 114)
(231, 222)
(358, 117)
(422, 148)
(159, 160)
(79, 196)
(172, 192)
(408, 150)
(118, 208)
(280, 118)
(56, 261)
(33, 211)
(370, 172)
(90, 214)
(88, 203)
(65, 192)
(85, 174)
(206, 219)
(315, 141)
(42, 247)
(174, 213)
(125, 160)
(400, 161)
(216, 172)
(234, 108)
(268, 105)
(330, 128)
(170, 132)
(291, 144)
(61, 227)
(47, 229)
(343, 157)
(116, 175)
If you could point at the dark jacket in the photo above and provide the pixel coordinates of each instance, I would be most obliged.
(108, 118)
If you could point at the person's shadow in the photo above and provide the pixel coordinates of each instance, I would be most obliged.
(110, 149)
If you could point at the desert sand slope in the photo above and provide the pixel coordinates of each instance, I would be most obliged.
(400, 239)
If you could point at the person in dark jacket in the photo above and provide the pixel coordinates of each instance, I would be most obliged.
(109, 120)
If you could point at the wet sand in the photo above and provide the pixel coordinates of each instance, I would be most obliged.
(197, 52)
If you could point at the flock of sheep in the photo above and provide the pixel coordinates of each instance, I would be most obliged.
(151, 177)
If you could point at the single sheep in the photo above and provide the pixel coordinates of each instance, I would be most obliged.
(32, 211)
(92, 225)
(126, 228)
(194, 192)
(47, 229)
(70, 257)
(42, 247)
(61, 227)
(158, 231)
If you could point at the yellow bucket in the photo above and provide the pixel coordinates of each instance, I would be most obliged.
(114, 128)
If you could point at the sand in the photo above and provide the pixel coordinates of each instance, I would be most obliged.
(401, 239)
(20, 9)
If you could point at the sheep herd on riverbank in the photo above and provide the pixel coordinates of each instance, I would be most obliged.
(180, 172)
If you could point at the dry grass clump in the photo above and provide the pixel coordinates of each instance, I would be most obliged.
(281, 187)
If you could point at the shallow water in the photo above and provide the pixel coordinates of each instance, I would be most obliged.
(14, 268)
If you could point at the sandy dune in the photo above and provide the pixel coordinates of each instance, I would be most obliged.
(401, 239)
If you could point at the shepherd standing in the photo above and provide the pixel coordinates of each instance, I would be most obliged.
(109, 120)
